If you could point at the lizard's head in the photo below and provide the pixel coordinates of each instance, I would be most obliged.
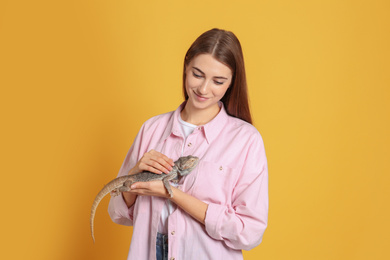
(186, 164)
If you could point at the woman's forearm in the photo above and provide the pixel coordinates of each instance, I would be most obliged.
(129, 198)
(194, 207)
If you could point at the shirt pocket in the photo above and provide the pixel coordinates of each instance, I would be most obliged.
(214, 183)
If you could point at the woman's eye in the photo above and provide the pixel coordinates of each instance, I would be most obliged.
(218, 83)
(196, 75)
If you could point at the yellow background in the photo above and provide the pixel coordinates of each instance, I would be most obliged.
(78, 78)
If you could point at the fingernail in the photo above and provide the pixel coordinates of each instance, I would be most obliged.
(133, 186)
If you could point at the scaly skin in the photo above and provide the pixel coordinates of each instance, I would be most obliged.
(182, 167)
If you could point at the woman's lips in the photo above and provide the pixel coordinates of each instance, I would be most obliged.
(200, 98)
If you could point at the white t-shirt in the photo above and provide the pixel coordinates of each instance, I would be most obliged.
(168, 208)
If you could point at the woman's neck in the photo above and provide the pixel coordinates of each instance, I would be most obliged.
(199, 116)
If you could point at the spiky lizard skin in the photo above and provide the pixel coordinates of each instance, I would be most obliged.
(183, 166)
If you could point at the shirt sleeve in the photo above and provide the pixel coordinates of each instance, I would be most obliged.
(241, 225)
(117, 208)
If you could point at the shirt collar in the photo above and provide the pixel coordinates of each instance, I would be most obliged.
(211, 129)
(173, 126)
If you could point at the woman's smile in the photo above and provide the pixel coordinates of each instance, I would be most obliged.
(200, 97)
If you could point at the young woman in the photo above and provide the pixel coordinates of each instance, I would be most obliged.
(222, 206)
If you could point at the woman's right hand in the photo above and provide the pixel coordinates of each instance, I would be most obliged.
(153, 161)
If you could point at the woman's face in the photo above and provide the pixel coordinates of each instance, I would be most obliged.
(207, 80)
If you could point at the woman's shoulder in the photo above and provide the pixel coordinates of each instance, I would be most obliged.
(242, 126)
(244, 131)
(159, 120)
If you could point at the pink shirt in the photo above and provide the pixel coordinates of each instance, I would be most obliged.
(231, 177)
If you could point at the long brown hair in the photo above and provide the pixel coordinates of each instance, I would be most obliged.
(226, 48)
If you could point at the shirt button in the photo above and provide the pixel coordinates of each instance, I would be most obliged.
(220, 168)
(172, 258)
(189, 144)
(172, 233)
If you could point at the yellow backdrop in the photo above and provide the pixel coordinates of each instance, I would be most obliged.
(78, 78)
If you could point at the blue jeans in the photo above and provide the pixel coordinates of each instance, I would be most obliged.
(162, 247)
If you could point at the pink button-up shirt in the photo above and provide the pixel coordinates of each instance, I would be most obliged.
(231, 177)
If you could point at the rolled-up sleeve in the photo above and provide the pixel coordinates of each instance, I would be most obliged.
(241, 225)
(117, 208)
(119, 212)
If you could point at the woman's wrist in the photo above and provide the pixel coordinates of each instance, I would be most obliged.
(129, 198)
(133, 171)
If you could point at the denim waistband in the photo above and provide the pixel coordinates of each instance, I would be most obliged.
(161, 239)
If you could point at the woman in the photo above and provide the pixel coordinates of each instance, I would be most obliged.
(222, 206)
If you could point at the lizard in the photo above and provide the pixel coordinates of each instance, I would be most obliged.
(182, 167)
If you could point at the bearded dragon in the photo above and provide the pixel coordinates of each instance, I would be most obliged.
(183, 166)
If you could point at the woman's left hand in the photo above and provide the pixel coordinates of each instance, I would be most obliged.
(193, 206)
(151, 188)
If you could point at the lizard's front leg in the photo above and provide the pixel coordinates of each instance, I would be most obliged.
(167, 185)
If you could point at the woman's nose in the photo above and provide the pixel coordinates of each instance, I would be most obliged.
(203, 88)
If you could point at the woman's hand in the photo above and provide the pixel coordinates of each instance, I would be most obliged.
(153, 161)
(193, 206)
(151, 188)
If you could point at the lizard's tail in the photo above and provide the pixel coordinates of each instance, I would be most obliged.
(115, 183)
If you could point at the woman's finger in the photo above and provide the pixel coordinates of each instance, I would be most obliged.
(166, 159)
(158, 161)
(150, 168)
(153, 188)
(161, 163)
